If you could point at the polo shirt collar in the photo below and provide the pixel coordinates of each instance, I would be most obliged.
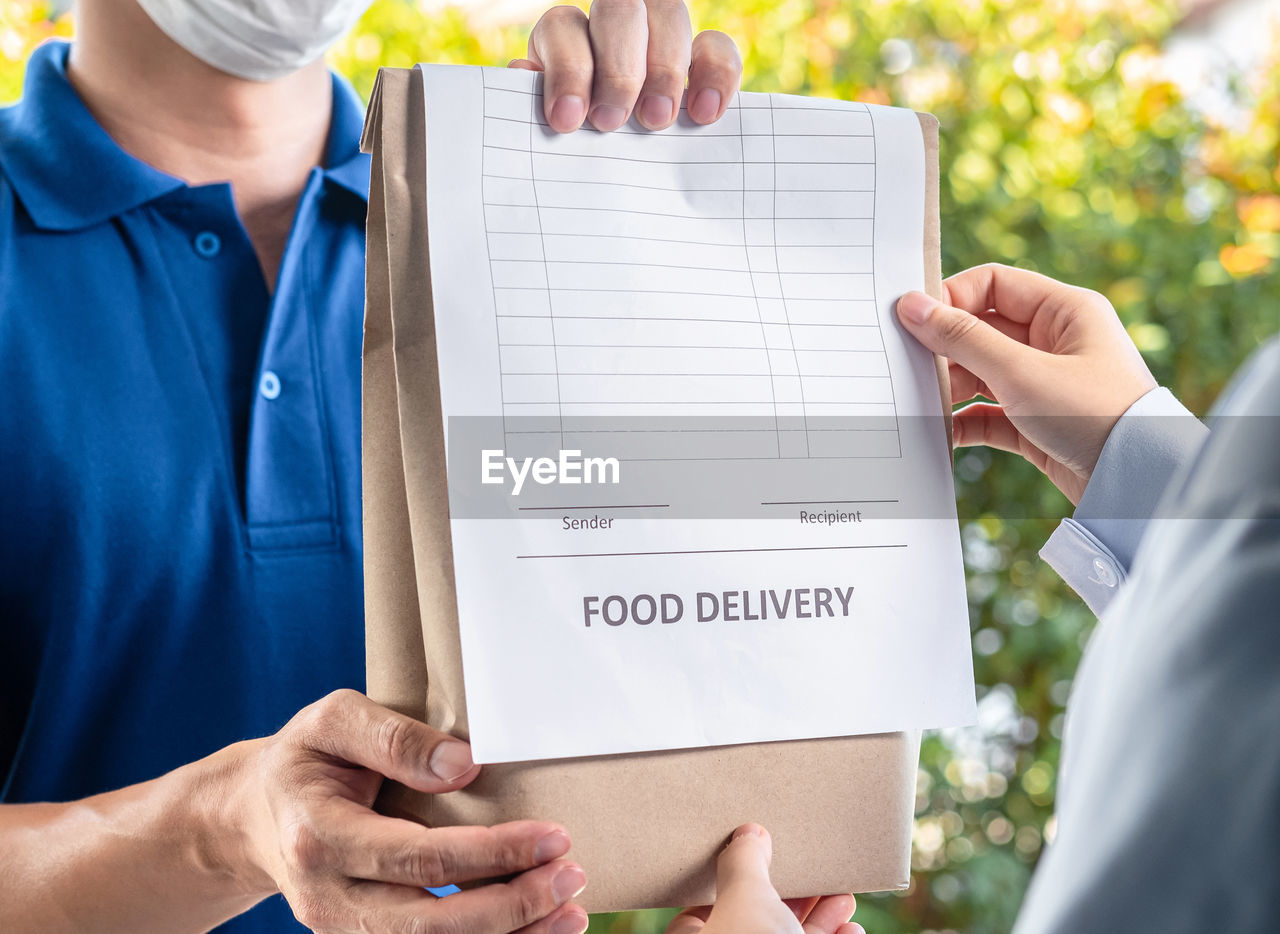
(70, 174)
(347, 166)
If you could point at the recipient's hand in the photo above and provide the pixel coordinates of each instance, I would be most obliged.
(309, 832)
(630, 55)
(1054, 357)
(746, 902)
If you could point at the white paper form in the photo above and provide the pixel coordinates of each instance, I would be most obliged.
(703, 315)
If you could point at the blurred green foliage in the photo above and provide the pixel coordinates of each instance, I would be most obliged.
(24, 24)
(1067, 149)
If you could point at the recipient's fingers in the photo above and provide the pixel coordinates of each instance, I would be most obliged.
(667, 63)
(1015, 293)
(619, 31)
(714, 76)
(991, 356)
(348, 726)
(829, 914)
(561, 47)
(743, 866)
(985, 424)
(689, 921)
(510, 906)
(964, 385)
(1017, 330)
(800, 907)
(388, 849)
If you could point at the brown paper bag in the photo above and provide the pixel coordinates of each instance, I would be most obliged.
(647, 827)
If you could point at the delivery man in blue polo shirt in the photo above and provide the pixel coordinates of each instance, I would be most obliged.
(182, 210)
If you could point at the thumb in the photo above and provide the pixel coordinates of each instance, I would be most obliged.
(744, 864)
(964, 338)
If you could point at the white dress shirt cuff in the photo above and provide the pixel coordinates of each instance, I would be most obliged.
(1085, 563)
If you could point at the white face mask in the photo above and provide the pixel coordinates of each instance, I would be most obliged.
(256, 39)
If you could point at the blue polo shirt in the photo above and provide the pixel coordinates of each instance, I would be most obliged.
(180, 561)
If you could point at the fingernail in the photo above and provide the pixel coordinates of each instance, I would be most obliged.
(567, 113)
(568, 883)
(606, 117)
(552, 846)
(569, 924)
(656, 111)
(747, 830)
(451, 760)
(916, 307)
(705, 106)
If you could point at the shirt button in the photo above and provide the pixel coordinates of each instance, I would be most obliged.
(1106, 574)
(208, 244)
(269, 385)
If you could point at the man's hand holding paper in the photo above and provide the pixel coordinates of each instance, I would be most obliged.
(303, 800)
(630, 57)
(747, 903)
(1054, 359)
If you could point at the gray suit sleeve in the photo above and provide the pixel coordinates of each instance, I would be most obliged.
(1168, 803)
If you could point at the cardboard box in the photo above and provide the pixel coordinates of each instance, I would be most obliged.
(647, 827)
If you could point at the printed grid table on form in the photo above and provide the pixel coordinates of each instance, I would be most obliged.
(689, 283)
